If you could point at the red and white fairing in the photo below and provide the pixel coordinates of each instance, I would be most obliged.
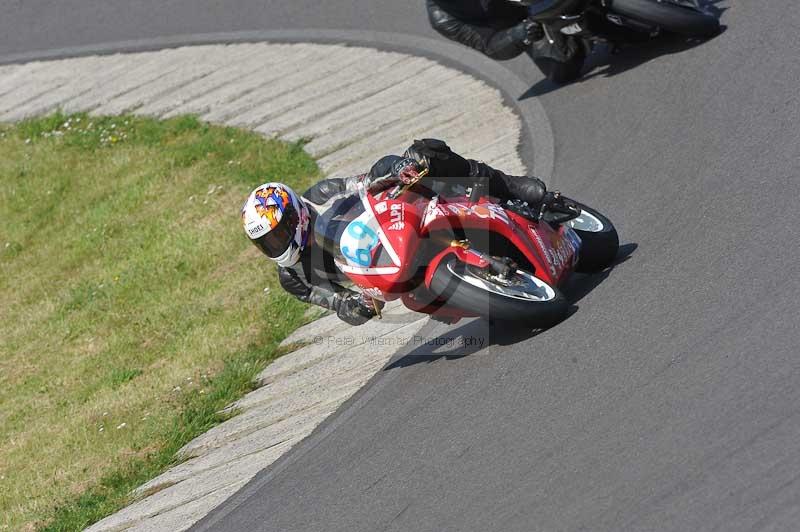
(379, 247)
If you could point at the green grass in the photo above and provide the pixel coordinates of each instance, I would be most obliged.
(132, 307)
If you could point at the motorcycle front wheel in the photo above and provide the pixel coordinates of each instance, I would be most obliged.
(670, 16)
(521, 298)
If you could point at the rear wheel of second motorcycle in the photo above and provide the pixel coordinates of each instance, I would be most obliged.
(562, 72)
(670, 16)
(523, 299)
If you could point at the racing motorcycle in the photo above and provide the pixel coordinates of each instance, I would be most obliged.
(465, 255)
(573, 27)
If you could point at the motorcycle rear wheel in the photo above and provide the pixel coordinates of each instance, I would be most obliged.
(565, 70)
(669, 16)
(559, 72)
(599, 240)
(530, 300)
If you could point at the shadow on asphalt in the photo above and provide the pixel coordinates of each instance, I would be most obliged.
(580, 285)
(607, 62)
(460, 341)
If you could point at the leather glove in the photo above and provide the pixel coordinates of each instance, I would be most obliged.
(527, 32)
(355, 309)
(427, 151)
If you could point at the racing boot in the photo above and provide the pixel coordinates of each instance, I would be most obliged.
(531, 190)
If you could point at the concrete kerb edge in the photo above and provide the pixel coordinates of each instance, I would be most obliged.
(345, 411)
(536, 146)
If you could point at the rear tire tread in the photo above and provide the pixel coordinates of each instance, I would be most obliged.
(598, 250)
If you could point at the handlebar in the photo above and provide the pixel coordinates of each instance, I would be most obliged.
(403, 189)
(476, 191)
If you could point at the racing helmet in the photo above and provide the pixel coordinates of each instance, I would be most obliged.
(276, 220)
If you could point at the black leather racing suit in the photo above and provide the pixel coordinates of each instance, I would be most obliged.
(317, 280)
(493, 27)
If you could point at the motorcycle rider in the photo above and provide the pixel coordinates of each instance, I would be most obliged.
(501, 30)
(280, 223)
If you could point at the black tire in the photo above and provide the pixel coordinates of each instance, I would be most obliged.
(669, 16)
(493, 306)
(563, 72)
(598, 248)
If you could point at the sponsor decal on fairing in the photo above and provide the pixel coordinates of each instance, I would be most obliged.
(561, 251)
(488, 211)
(397, 215)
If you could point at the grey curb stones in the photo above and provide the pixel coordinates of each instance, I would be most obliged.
(351, 104)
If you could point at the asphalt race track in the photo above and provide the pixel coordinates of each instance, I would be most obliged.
(670, 400)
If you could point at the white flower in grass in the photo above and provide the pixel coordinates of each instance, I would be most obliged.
(122, 426)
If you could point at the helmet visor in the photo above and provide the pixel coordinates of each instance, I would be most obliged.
(278, 239)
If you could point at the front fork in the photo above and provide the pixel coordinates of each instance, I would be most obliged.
(422, 300)
(471, 256)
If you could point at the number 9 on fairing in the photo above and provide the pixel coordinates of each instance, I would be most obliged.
(363, 239)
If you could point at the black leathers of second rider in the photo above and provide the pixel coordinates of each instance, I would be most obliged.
(496, 28)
